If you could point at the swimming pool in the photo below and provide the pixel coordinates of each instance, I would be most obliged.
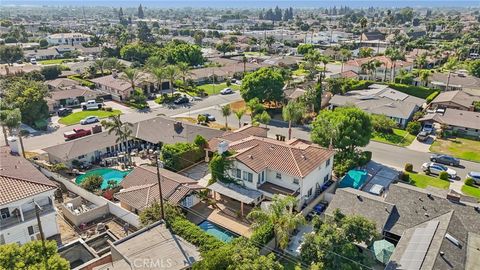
(217, 231)
(354, 179)
(106, 173)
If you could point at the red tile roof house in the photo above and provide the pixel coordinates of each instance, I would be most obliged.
(21, 187)
(387, 71)
(141, 189)
(295, 167)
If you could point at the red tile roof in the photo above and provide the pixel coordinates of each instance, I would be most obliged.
(383, 59)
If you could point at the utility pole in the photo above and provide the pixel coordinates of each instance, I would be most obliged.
(42, 236)
(159, 179)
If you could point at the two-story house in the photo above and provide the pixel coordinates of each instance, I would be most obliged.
(22, 189)
(296, 167)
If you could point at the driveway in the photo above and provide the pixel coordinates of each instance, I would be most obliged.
(419, 146)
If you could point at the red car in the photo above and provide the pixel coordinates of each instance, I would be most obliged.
(76, 133)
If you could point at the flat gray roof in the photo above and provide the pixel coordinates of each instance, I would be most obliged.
(236, 192)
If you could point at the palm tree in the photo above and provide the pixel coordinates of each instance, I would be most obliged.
(226, 112)
(363, 24)
(449, 66)
(184, 71)
(368, 67)
(269, 41)
(239, 114)
(159, 75)
(280, 215)
(375, 65)
(424, 74)
(122, 130)
(324, 60)
(292, 112)
(345, 54)
(244, 61)
(155, 61)
(12, 120)
(171, 73)
(132, 76)
(100, 64)
(263, 118)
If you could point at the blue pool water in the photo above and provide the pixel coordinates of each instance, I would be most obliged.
(106, 173)
(217, 231)
(354, 179)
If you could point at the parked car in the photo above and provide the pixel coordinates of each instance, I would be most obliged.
(64, 112)
(445, 159)
(210, 118)
(475, 176)
(181, 100)
(435, 168)
(91, 105)
(226, 91)
(76, 133)
(89, 120)
(33, 61)
(428, 128)
(422, 136)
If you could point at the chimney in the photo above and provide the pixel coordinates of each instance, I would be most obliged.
(14, 144)
(453, 197)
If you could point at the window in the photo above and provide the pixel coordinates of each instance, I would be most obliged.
(327, 163)
(278, 176)
(309, 192)
(238, 173)
(4, 213)
(296, 181)
(32, 230)
(248, 176)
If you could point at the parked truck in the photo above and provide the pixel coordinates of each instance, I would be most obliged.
(76, 133)
(91, 105)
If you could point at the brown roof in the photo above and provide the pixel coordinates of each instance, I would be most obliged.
(19, 178)
(142, 187)
(113, 82)
(458, 97)
(62, 82)
(241, 133)
(74, 92)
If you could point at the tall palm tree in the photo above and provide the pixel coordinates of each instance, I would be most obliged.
(324, 60)
(184, 71)
(375, 65)
(280, 215)
(367, 67)
(226, 112)
(159, 75)
(155, 61)
(132, 76)
(345, 54)
(263, 118)
(424, 74)
(100, 65)
(449, 66)
(171, 73)
(292, 112)
(269, 41)
(122, 130)
(363, 25)
(239, 114)
(244, 61)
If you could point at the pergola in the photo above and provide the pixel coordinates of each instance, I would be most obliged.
(242, 194)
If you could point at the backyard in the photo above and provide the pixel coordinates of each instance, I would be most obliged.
(423, 181)
(471, 191)
(213, 89)
(398, 137)
(458, 147)
(75, 118)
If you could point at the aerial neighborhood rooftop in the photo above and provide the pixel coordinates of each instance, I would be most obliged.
(241, 136)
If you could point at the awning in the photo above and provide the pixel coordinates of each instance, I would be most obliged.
(236, 192)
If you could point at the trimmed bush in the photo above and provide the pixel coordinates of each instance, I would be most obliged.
(404, 176)
(443, 175)
(263, 234)
(432, 96)
(413, 127)
(416, 91)
(181, 155)
(409, 167)
(194, 235)
(469, 182)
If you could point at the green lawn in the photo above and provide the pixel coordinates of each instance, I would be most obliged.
(399, 137)
(54, 61)
(213, 89)
(471, 191)
(458, 147)
(300, 72)
(75, 118)
(423, 181)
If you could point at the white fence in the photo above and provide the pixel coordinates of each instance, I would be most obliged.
(114, 209)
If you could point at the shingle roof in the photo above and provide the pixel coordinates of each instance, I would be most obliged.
(459, 97)
(457, 118)
(113, 82)
(19, 178)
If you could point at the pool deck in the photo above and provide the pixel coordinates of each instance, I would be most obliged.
(220, 216)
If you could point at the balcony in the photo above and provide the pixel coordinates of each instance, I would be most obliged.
(14, 220)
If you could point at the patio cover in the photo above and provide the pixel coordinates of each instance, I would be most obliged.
(236, 192)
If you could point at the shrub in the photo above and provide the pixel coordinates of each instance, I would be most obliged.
(365, 157)
(262, 234)
(83, 82)
(58, 167)
(409, 167)
(469, 182)
(443, 175)
(194, 235)
(92, 183)
(200, 141)
(404, 176)
(181, 155)
(432, 96)
(413, 127)
(108, 109)
(382, 123)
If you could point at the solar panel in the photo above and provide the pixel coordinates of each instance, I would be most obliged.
(418, 246)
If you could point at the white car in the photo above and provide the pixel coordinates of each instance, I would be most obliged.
(427, 128)
(435, 168)
(91, 105)
(226, 91)
(89, 120)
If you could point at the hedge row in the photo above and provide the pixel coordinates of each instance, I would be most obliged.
(195, 235)
(83, 82)
(432, 96)
(416, 91)
(263, 234)
(181, 155)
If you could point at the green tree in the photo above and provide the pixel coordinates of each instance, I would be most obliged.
(269, 41)
(144, 33)
(219, 167)
(292, 112)
(43, 43)
(51, 72)
(29, 97)
(176, 52)
(239, 114)
(449, 66)
(363, 24)
(280, 214)
(140, 13)
(474, 68)
(92, 183)
(184, 71)
(266, 84)
(123, 131)
(365, 52)
(224, 47)
(413, 127)
(382, 123)
(304, 48)
(255, 107)
(226, 112)
(262, 118)
(345, 54)
(424, 75)
(333, 245)
(10, 54)
(131, 76)
(172, 74)
(31, 255)
(346, 128)
(159, 75)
